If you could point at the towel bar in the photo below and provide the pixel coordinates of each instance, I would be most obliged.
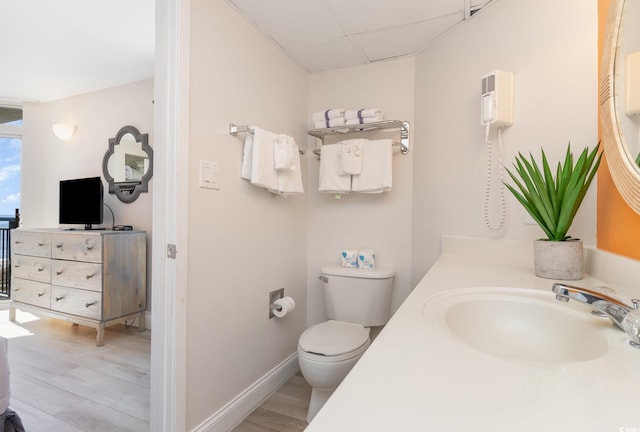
(235, 129)
(385, 124)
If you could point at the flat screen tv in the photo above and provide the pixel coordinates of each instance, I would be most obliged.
(81, 202)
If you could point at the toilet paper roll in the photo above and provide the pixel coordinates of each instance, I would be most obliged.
(366, 259)
(349, 258)
(286, 305)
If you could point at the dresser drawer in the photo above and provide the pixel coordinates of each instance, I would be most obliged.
(31, 243)
(76, 301)
(86, 248)
(33, 293)
(77, 274)
(33, 268)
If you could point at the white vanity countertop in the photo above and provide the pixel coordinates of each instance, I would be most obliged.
(413, 378)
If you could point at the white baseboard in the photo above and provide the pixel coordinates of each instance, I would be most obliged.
(232, 414)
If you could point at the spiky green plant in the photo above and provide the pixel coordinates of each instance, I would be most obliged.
(554, 202)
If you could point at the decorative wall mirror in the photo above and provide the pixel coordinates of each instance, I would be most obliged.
(620, 115)
(127, 165)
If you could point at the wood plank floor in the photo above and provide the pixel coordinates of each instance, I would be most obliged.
(60, 381)
(284, 411)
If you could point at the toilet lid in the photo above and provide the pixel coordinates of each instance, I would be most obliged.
(333, 338)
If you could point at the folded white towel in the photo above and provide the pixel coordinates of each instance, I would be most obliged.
(364, 113)
(330, 180)
(377, 165)
(330, 123)
(263, 173)
(327, 115)
(247, 155)
(290, 181)
(351, 157)
(285, 152)
(361, 121)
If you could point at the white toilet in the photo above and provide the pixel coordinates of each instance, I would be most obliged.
(355, 300)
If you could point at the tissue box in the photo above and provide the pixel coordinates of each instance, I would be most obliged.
(349, 258)
(366, 259)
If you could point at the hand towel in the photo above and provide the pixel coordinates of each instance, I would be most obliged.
(364, 113)
(329, 114)
(263, 173)
(285, 152)
(330, 123)
(247, 155)
(351, 156)
(290, 181)
(330, 181)
(361, 121)
(377, 164)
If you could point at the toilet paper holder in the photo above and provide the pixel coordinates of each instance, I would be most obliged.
(273, 296)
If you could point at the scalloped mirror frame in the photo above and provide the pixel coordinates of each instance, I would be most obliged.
(127, 195)
(624, 172)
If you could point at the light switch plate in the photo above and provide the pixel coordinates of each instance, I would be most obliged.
(209, 175)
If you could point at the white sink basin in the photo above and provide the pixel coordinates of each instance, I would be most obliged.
(517, 324)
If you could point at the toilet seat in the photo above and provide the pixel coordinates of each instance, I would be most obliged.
(333, 341)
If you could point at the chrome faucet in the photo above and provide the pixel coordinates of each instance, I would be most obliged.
(602, 304)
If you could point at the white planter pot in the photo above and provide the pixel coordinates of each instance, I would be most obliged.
(561, 260)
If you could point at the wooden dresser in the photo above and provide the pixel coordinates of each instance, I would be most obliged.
(93, 278)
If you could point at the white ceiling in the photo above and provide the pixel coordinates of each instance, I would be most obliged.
(330, 34)
(56, 49)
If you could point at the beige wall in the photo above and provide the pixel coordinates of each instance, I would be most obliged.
(551, 49)
(242, 241)
(362, 221)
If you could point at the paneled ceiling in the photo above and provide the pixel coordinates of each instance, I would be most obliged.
(330, 34)
(56, 49)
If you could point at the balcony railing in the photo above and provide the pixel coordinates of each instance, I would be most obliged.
(7, 223)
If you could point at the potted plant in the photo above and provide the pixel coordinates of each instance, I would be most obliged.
(553, 203)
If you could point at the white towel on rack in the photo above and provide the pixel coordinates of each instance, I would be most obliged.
(290, 181)
(361, 121)
(247, 156)
(330, 180)
(340, 121)
(377, 165)
(329, 114)
(364, 113)
(285, 152)
(351, 156)
(263, 173)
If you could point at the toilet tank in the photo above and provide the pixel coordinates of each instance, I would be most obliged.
(358, 296)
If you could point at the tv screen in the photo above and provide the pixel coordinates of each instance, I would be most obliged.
(81, 201)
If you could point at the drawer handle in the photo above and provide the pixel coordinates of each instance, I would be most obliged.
(59, 245)
(40, 243)
(40, 269)
(89, 247)
(40, 294)
(16, 266)
(58, 273)
(59, 298)
(89, 276)
(18, 242)
(89, 304)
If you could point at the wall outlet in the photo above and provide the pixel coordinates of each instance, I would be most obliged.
(209, 175)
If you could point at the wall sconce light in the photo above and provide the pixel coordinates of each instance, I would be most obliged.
(63, 131)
